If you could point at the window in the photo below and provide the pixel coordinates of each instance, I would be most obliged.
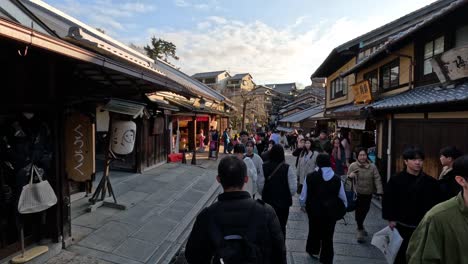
(339, 87)
(210, 80)
(390, 75)
(431, 49)
(373, 80)
(461, 36)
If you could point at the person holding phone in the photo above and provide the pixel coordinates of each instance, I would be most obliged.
(367, 181)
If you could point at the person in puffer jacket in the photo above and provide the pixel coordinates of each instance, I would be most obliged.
(367, 181)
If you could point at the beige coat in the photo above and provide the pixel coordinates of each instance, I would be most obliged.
(306, 165)
(367, 178)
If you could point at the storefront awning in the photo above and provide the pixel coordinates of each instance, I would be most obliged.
(302, 115)
(285, 129)
(133, 109)
(350, 111)
(352, 123)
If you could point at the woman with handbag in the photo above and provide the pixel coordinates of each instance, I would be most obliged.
(367, 181)
(324, 199)
(279, 184)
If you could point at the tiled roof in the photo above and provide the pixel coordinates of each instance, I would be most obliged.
(207, 74)
(239, 76)
(283, 87)
(299, 116)
(404, 34)
(347, 108)
(424, 96)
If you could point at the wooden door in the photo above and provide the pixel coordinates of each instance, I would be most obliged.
(431, 135)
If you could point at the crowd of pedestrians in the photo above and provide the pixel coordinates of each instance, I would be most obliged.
(238, 229)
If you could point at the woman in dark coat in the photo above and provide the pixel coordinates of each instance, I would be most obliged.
(324, 198)
(278, 184)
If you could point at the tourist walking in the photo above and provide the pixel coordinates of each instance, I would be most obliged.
(307, 161)
(324, 199)
(408, 196)
(278, 184)
(226, 141)
(251, 185)
(367, 181)
(257, 160)
(221, 228)
(442, 235)
(448, 184)
(338, 158)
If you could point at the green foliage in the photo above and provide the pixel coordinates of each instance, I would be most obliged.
(161, 49)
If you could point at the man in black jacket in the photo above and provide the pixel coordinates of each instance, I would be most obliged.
(236, 213)
(408, 196)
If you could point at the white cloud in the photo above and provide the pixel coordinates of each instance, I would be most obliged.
(271, 55)
(105, 14)
(181, 3)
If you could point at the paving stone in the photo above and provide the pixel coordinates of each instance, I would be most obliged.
(162, 197)
(160, 253)
(177, 210)
(137, 215)
(136, 249)
(191, 196)
(292, 233)
(80, 232)
(303, 258)
(155, 230)
(295, 245)
(94, 219)
(110, 257)
(108, 237)
(131, 198)
(150, 186)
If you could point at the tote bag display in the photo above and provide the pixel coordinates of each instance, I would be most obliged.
(36, 197)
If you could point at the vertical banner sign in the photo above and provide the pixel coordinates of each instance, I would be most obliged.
(79, 147)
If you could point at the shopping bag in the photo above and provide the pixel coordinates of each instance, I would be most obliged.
(36, 197)
(388, 241)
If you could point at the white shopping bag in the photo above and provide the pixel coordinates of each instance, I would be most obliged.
(389, 242)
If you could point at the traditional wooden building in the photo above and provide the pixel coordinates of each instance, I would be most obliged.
(57, 74)
(388, 81)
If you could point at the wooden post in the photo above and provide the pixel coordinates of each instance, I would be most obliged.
(105, 183)
(194, 157)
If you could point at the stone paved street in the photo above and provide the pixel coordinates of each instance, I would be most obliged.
(347, 250)
(161, 206)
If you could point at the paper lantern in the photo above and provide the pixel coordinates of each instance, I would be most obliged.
(123, 137)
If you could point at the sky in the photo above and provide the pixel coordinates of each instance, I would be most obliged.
(276, 41)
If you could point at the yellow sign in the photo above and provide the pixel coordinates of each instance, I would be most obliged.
(362, 92)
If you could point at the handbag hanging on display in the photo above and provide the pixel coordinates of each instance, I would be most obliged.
(36, 197)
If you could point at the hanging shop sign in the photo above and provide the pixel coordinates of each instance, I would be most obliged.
(202, 119)
(158, 125)
(79, 147)
(451, 65)
(353, 123)
(362, 92)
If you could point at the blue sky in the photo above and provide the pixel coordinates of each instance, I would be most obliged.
(276, 41)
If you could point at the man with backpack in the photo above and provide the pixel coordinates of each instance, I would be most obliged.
(236, 229)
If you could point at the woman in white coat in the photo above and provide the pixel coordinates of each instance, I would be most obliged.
(251, 185)
(307, 161)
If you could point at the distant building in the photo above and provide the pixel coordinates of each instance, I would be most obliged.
(217, 80)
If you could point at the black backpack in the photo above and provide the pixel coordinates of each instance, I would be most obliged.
(239, 248)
